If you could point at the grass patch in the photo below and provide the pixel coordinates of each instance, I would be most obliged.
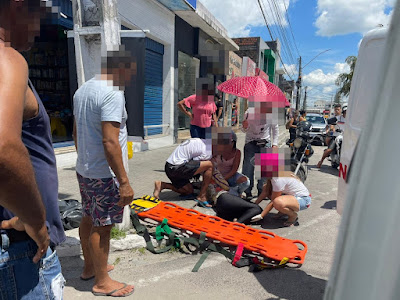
(117, 261)
(142, 250)
(117, 234)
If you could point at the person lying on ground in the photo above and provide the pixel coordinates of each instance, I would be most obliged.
(288, 195)
(190, 158)
(228, 164)
(230, 207)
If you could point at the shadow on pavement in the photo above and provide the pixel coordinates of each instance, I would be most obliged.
(326, 169)
(62, 196)
(329, 204)
(292, 284)
(71, 268)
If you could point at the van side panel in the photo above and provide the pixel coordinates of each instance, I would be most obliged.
(363, 86)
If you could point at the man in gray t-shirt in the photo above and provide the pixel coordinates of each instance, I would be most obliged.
(101, 140)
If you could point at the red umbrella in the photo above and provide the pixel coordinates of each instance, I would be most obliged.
(260, 90)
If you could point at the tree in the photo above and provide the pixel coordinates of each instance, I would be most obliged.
(338, 98)
(344, 79)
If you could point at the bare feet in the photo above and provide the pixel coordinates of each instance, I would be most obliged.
(157, 189)
(319, 164)
(87, 275)
(113, 288)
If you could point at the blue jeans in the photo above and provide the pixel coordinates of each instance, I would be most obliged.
(250, 149)
(237, 189)
(197, 132)
(20, 278)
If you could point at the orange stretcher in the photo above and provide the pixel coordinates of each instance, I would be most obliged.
(256, 241)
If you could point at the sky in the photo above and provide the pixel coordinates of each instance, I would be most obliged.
(310, 27)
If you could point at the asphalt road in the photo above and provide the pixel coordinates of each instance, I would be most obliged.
(169, 276)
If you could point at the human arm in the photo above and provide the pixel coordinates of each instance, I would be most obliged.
(18, 188)
(215, 119)
(219, 112)
(182, 107)
(113, 152)
(235, 165)
(291, 123)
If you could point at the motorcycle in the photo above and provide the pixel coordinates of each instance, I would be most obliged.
(337, 134)
(301, 150)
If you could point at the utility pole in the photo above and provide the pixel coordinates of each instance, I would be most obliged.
(298, 84)
(305, 99)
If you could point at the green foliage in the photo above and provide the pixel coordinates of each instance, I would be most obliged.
(344, 79)
(117, 234)
(117, 261)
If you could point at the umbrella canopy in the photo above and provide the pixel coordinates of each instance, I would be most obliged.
(260, 90)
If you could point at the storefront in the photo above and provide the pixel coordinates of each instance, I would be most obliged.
(248, 69)
(49, 73)
(232, 102)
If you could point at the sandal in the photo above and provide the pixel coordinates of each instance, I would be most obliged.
(288, 223)
(203, 204)
(113, 292)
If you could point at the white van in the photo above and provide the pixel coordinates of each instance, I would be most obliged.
(363, 86)
(366, 264)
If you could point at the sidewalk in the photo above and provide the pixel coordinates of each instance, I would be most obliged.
(144, 169)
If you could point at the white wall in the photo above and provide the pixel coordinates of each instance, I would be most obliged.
(152, 16)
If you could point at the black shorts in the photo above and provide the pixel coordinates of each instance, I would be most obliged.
(180, 175)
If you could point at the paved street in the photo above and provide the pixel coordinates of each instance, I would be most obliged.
(169, 276)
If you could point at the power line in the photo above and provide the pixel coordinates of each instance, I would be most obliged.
(280, 32)
(291, 29)
(269, 30)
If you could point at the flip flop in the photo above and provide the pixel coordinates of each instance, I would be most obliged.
(113, 292)
(91, 277)
(288, 224)
(203, 204)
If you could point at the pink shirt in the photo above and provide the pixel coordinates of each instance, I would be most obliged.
(202, 111)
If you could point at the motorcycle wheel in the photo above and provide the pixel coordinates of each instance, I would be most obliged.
(301, 173)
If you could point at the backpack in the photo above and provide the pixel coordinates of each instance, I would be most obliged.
(70, 213)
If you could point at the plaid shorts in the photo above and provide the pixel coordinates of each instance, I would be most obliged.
(99, 200)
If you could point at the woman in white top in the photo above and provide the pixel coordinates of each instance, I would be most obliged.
(228, 163)
(288, 195)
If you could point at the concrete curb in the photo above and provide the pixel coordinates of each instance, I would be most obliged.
(72, 245)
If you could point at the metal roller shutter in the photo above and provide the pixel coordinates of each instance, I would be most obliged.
(153, 90)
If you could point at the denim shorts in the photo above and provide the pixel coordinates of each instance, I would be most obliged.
(232, 181)
(20, 278)
(304, 202)
(99, 200)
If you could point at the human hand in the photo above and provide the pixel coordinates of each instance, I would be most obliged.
(126, 194)
(274, 146)
(190, 115)
(245, 124)
(38, 233)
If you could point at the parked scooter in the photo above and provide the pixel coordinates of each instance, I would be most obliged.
(337, 134)
(301, 150)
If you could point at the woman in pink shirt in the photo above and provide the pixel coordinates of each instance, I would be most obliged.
(203, 109)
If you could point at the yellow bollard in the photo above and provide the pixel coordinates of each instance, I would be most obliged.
(130, 150)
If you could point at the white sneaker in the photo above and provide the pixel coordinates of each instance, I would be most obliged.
(256, 218)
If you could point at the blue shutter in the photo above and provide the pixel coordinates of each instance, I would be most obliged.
(153, 81)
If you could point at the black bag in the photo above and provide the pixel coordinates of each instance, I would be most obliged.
(70, 213)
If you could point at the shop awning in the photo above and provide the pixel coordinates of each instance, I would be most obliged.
(195, 14)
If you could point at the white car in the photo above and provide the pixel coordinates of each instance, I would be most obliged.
(318, 128)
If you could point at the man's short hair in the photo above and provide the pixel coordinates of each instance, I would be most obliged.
(302, 112)
(338, 105)
(117, 59)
